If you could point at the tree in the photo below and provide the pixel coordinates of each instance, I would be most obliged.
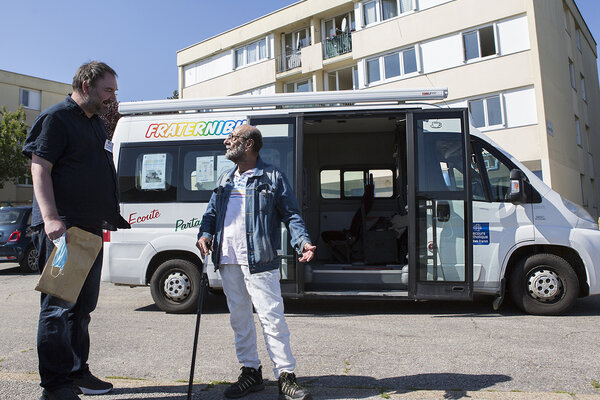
(13, 131)
(175, 95)
(111, 118)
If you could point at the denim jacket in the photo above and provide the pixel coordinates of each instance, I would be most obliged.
(269, 201)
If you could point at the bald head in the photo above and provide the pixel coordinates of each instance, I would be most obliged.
(250, 132)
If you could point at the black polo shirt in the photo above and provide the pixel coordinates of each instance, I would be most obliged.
(83, 172)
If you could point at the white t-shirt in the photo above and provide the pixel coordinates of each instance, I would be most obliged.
(234, 249)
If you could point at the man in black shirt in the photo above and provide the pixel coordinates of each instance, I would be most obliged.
(75, 184)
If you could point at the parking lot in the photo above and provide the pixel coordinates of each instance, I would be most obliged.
(345, 349)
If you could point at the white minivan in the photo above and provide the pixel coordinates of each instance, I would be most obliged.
(403, 199)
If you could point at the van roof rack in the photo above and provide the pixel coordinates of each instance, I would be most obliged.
(281, 100)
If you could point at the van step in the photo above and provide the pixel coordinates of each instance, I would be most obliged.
(351, 278)
(357, 293)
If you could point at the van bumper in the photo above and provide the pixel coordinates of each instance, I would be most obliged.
(587, 242)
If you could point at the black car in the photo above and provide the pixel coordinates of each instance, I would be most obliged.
(15, 238)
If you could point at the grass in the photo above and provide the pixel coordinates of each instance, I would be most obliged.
(383, 393)
(564, 392)
(595, 383)
(127, 378)
(347, 367)
(1, 359)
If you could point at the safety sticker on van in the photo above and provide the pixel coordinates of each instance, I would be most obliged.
(481, 233)
(191, 129)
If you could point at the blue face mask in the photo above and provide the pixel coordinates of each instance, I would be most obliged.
(60, 258)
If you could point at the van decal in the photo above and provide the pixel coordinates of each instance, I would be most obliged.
(481, 233)
(188, 129)
(181, 225)
(134, 218)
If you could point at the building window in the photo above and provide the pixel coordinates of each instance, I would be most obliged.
(380, 10)
(589, 138)
(31, 99)
(577, 131)
(583, 88)
(299, 86)
(251, 53)
(480, 43)
(343, 79)
(582, 183)
(578, 37)
(391, 65)
(486, 112)
(572, 74)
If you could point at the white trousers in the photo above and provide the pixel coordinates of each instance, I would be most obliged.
(243, 290)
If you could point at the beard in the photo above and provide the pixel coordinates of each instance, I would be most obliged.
(95, 104)
(235, 153)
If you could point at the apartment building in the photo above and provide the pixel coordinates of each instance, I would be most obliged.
(526, 69)
(35, 95)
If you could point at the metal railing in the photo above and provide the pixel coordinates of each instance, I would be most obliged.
(338, 45)
(288, 61)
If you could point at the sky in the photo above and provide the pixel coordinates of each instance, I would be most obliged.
(138, 38)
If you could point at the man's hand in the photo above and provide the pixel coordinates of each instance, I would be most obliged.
(308, 252)
(54, 228)
(204, 244)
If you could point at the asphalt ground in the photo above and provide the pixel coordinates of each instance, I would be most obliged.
(345, 349)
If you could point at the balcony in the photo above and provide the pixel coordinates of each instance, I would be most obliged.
(338, 45)
(291, 60)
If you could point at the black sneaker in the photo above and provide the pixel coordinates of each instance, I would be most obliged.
(60, 394)
(289, 388)
(250, 380)
(87, 383)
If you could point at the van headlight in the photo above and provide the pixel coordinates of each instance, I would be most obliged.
(578, 210)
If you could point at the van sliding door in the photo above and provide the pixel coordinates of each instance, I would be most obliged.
(279, 144)
(439, 193)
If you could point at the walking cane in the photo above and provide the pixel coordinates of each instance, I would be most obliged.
(203, 282)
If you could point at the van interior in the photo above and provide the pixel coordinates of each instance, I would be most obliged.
(354, 202)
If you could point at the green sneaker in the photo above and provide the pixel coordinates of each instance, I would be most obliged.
(250, 380)
(289, 388)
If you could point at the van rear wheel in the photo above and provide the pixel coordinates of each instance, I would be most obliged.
(544, 284)
(175, 286)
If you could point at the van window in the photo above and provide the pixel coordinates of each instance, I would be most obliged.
(339, 183)
(498, 175)
(490, 171)
(187, 171)
(146, 174)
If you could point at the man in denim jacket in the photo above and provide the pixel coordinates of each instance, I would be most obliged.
(241, 227)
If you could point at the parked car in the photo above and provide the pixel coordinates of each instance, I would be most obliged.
(15, 238)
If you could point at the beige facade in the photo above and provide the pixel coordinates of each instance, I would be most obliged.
(35, 94)
(525, 68)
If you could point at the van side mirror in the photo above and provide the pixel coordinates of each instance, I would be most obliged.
(517, 187)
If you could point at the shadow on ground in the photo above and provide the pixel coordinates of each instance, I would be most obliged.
(454, 386)
(481, 306)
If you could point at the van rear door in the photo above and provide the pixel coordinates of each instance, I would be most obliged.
(439, 205)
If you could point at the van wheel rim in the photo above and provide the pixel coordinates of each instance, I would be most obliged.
(544, 285)
(177, 286)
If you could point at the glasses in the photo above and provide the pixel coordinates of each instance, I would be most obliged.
(231, 137)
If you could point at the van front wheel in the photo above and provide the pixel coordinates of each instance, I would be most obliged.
(175, 286)
(544, 284)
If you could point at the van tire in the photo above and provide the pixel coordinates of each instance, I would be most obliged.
(29, 263)
(175, 286)
(544, 284)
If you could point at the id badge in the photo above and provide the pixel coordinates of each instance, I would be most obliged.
(108, 145)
